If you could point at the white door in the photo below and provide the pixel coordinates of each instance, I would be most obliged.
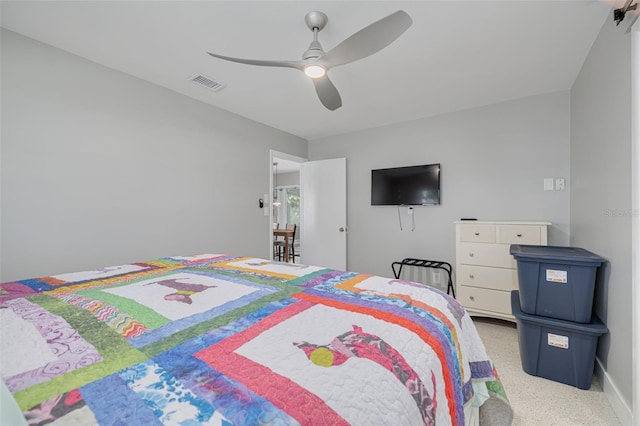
(323, 216)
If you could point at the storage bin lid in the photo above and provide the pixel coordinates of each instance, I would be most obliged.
(595, 327)
(556, 254)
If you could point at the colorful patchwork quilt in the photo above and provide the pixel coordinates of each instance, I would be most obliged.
(226, 340)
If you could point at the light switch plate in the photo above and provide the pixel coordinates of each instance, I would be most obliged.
(548, 184)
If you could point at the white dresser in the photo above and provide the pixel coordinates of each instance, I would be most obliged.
(485, 271)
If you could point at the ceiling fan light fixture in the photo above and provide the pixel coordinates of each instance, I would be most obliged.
(315, 71)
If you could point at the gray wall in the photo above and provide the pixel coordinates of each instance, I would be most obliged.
(100, 168)
(494, 160)
(601, 192)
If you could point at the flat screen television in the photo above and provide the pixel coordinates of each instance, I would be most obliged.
(406, 186)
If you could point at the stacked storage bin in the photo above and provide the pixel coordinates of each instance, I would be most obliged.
(557, 332)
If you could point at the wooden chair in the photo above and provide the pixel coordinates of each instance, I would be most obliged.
(275, 247)
(292, 247)
(281, 245)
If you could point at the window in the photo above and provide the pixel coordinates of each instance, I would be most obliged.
(289, 209)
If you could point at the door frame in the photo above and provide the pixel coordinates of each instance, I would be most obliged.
(273, 154)
(635, 218)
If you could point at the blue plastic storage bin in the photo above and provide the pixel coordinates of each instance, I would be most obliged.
(558, 350)
(556, 282)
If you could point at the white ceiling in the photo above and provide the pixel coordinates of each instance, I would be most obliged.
(456, 55)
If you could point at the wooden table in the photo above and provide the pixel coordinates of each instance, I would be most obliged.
(286, 233)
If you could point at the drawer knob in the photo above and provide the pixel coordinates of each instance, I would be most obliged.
(471, 276)
(472, 298)
(518, 235)
(470, 254)
(476, 233)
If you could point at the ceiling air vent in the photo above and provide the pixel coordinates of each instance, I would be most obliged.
(207, 82)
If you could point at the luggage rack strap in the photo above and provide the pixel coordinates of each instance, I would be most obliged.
(436, 264)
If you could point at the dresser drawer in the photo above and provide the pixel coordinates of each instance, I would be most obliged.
(485, 300)
(477, 233)
(518, 234)
(485, 254)
(484, 277)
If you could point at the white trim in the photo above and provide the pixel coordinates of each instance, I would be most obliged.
(620, 408)
(635, 218)
(272, 155)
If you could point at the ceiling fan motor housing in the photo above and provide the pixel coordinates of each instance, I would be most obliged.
(314, 51)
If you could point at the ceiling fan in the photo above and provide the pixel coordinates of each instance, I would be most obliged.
(315, 62)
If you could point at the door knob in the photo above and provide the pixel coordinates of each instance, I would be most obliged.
(341, 229)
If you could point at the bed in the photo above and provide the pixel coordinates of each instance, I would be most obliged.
(228, 340)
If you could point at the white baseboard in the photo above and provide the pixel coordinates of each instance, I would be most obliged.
(620, 407)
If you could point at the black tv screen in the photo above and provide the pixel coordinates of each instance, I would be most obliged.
(410, 186)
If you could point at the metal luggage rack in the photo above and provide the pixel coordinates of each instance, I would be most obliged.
(436, 264)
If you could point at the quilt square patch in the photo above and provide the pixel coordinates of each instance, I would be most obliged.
(49, 346)
(66, 408)
(154, 307)
(198, 258)
(98, 274)
(280, 357)
(183, 294)
(167, 398)
(14, 290)
(269, 267)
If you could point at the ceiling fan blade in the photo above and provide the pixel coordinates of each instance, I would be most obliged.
(368, 40)
(285, 64)
(327, 93)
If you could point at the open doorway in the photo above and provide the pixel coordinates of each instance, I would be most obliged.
(285, 196)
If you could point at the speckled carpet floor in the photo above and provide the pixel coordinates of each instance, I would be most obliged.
(538, 401)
